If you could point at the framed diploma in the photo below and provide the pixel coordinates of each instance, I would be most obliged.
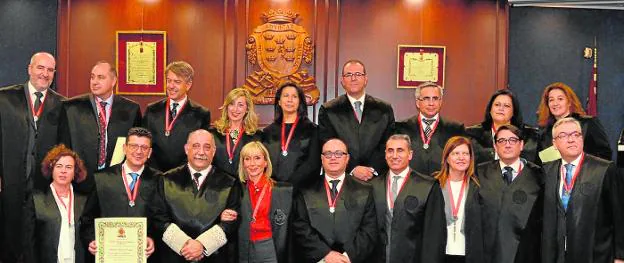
(121, 239)
(141, 59)
(419, 64)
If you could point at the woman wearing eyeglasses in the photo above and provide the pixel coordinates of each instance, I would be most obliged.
(292, 139)
(237, 126)
(460, 189)
(560, 101)
(502, 109)
(51, 217)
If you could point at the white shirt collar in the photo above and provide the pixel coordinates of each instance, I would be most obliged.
(435, 117)
(402, 174)
(180, 103)
(128, 170)
(202, 172)
(515, 165)
(353, 100)
(32, 90)
(109, 100)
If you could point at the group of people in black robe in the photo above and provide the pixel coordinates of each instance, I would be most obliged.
(357, 187)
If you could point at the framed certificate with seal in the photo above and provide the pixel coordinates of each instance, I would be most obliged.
(141, 61)
(420, 64)
(121, 239)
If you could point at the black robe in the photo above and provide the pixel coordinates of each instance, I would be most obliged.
(511, 214)
(595, 139)
(177, 201)
(593, 220)
(302, 164)
(366, 140)
(22, 148)
(221, 158)
(42, 226)
(79, 127)
(485, 151)
(417, 228)
(427, 161)
(279, 213)
(352, 228)
(168, 151)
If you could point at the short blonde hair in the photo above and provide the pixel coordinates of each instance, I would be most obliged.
(250, 122)
(249, 149)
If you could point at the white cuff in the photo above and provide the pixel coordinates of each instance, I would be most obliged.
(213, 239)
(175, 238)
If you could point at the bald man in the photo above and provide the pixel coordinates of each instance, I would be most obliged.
(28, 129)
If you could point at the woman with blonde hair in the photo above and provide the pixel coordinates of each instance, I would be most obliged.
(51, 217)
(237, 126)
(559, 101)
(460, 190)
(265, 209)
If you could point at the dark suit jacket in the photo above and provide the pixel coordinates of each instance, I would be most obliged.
(22, 148)
(511, 214)
(177, 201)
(302, 164)
(79, 128)
(417, 227)
(279, 213)
(168, 151)
(352, 228)
(221, 157)
(427, 161)
(595, 139)
(42, 225)
(366, 140)
(485, 149)
(593, 220)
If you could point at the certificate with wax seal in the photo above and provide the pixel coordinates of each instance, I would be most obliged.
(121, 239)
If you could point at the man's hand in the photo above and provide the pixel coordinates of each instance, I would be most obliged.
(192, 250)
(335, 257)
(92, 247)
(363, 173)
(228, 215)
(149, 249)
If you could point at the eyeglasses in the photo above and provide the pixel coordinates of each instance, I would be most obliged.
(511, 141)
(133, 147)
(337, 154)
(573, 135)
(430, 99)
(357, 75)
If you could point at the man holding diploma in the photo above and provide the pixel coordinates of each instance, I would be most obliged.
(189, 202)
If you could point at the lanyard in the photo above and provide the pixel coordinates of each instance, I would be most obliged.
(455, 209)
(131, 194)
(169, 123)
(37, 113)
(286, 142)
(567, 188)
(331, 203)
(389, 190)
(67, 206)
(258, 202)
(229, 149)
(422, 134)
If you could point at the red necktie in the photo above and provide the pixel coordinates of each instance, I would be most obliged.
(102, 119)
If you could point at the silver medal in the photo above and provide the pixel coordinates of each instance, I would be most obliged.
(131, 203)
(426, 146)
(332, 210)
(230, 161)
(167, 133)
(284, 153)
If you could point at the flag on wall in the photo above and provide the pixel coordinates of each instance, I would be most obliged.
(592, 100)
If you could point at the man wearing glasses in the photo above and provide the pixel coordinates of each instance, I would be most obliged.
(583, 212)
(28, 130)
(334, 220)
(512, 201)
(123, 190)
(362, 121)
(428, 131)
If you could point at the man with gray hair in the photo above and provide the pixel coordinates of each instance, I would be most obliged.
(28, 130)
(428, 130)
(583, 212)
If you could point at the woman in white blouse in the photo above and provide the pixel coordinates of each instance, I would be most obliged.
(52, 216)
(460, 190)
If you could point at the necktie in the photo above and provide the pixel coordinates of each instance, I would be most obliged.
(428, 123)
(358, 110)
(38, 101)
(102, 146)
(393, 188)
(334, 190)
(508, 174)
(565, 195)
(196, 179)
(134, 176)
(174, 110)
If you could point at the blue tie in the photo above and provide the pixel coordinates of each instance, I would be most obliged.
(134, 180)
(565, 196)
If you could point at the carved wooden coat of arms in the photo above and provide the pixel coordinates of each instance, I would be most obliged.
(277, 49)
